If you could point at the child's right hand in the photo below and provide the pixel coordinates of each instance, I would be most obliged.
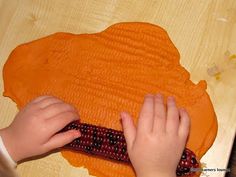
(34, 130)
(157, 144)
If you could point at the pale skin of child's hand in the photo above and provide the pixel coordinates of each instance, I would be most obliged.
(155, 146)
(34, 130)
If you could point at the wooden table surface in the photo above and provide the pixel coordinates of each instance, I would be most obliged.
(204, 31)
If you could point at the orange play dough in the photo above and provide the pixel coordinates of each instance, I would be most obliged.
(105, 73)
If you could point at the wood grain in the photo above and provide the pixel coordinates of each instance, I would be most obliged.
(204, 32)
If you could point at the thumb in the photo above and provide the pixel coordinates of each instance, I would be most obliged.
(128, 128)
(62, 139)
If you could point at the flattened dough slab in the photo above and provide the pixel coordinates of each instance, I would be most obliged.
(105, 73)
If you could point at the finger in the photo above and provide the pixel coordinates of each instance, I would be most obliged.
(159, 114)
(172, 123)
(57, 108)
(145, 122)
(62, 139)
(184, 125)
(49, 101)
(40, 98)
(128, 128)
(59, 121)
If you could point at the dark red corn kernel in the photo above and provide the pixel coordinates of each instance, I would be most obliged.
(111, 144)
(183, 155)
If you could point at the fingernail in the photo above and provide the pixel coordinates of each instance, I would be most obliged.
(148, 95)
(159, 97)
(183, 111)
(122, 115)
(171, 100)
(77, 134)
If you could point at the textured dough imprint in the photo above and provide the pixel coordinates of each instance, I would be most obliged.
(105, 73)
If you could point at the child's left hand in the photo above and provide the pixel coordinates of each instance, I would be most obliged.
(34, 130)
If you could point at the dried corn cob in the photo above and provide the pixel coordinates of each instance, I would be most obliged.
(109, 143)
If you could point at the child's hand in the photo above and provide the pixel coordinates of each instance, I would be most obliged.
(157, 144)
(34, 129)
